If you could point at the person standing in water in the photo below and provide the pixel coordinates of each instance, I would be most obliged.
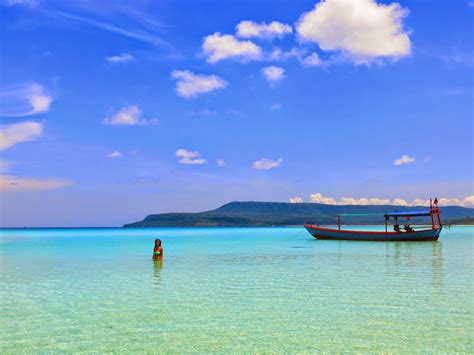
(157, 250)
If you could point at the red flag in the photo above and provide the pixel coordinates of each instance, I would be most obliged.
(408, 218)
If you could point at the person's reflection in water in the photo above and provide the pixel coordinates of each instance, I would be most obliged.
(157, 266)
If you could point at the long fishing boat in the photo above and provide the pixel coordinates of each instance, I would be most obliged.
(407, 233)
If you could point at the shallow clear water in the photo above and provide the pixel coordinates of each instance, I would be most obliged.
(233, 289)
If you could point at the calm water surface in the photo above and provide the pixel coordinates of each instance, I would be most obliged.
(233, 289)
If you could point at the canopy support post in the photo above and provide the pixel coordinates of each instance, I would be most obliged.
(386, 223)
(339, 222)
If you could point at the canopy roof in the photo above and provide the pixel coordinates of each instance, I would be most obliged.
(411, 213)
(359, 214)
(389, 214)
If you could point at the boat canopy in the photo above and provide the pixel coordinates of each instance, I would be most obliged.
(389, 214)
(409, 214)
(358, 214)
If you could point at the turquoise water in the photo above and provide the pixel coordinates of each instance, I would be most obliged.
(233, 289)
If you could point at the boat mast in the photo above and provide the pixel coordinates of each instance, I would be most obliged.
(434, 210)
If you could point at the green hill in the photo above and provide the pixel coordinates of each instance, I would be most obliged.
(236, 214)
(461, 221)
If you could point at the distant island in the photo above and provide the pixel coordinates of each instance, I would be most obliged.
(261, 214)
(467, 221)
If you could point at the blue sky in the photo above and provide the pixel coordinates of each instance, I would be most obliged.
(114, 110)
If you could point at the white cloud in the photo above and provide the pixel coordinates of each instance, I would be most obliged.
(190, 84)
(145, 34)
(114, 154)
(220, 162)
(278, 54)
(311, 60)
(362, 201)
(428, 158)
(296, 199)
(362, 30)
(10, 183)
(28, 3)
(217, 47)
(319, 198)
(405, 159)
(301, 54)
(121, 58)
(399, 202)
(267, 164)
(273, 74)
(275, 107)
(19, 132)
(420, 202)
(247, 29)
(466, 202)
(189, 157)
(24, 100)
(129, 116)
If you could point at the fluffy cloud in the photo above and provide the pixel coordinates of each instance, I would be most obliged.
(466, 202)
(363, 201)
(311, 60)
(220, 162)
(121, 58)
(361, 29)
(10, 183)
(405, 159)
(217, 47)
(114, 154)
(247, 29)
(301, 54)
(296, 199)
(19, 132)
(273, 74)
(275, 107)
(189, 157)
(190, 84)
(129, 116)
(319, 198)
(267, 164)
(24, 100)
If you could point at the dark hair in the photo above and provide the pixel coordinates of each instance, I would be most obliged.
(157, 240)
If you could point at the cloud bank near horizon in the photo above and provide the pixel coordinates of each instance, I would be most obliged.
(468, 201)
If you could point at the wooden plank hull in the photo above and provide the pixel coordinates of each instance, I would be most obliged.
(335, 234)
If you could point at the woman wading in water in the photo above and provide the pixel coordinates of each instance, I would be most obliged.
(157, 250)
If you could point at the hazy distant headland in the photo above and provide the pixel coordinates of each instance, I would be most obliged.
(256, 214)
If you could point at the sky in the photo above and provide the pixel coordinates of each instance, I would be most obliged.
(113, 110)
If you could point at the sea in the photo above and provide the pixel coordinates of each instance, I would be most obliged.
(233, 290)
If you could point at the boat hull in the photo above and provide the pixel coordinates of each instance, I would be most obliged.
(335, 234)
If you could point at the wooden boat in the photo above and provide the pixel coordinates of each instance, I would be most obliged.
(398, 234)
